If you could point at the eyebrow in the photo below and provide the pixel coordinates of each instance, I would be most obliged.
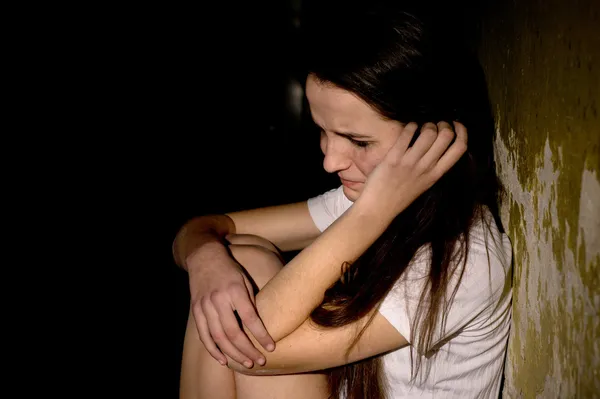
(347, 134)
(352, 135)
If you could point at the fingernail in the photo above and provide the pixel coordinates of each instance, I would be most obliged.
(261, 361)
(222, 362)
(270, 347)
(248, 364)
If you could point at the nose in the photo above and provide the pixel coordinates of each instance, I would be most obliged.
(335, 158)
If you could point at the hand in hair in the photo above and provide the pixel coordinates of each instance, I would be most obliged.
(407, 171)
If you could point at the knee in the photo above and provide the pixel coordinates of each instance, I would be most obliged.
(250, 239)
(261, 263)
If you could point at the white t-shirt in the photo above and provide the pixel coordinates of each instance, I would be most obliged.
(470, 352)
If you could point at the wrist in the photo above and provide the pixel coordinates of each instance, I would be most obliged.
(375, 210)
(199, 231)
(187, 244)
(212, 247)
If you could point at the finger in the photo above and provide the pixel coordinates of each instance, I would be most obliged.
(461, 132)
(251, 290)
(205, 337)
(442, 142)
(220, 338)
(399, 148)
(251, 320)
(235, 334)
(443, 125)
(455, 152)
(424, 142)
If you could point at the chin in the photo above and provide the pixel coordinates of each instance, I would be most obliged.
(351, 194)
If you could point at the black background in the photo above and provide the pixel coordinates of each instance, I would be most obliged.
(210, 133)
(191, 118)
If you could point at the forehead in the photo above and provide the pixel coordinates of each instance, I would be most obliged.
(338, 109)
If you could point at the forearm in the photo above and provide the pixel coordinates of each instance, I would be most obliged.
(198, 232)
(289, 298)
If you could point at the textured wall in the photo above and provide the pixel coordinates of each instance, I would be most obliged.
(542, 61)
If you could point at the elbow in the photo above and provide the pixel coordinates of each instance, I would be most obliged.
(255, 370)
(241, 369)
(238, 368)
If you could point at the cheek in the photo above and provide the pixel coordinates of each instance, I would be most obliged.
(368, 160)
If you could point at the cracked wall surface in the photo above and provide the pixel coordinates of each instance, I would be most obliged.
(541, 60)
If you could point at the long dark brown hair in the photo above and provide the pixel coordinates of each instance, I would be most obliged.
(407, 70)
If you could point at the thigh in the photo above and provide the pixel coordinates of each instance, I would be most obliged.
(295, 386)
(202, 377)
(260, 262)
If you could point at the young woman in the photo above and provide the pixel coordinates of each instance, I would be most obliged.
(402, 287)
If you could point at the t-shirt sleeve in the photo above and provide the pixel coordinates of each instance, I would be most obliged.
(481, 286)
(327, 207)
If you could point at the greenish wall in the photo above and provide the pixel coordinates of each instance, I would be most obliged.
(542, 62)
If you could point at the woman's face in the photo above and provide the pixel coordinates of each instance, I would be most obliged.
(354, 137)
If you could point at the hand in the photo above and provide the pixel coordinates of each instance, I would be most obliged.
(406, 173)
(218, 287)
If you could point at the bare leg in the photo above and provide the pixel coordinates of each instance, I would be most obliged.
(203, 377)
(263, 264)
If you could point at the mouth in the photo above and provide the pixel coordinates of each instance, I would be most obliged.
(350, 183)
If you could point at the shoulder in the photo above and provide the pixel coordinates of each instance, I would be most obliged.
(335, 196)
(485, 273)
(327, 207)
(489, 251)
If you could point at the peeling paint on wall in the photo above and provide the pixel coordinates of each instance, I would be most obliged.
(554, 347)
(542, 64)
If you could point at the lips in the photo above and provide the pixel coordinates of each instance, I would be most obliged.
(349, 183)
(348, 180)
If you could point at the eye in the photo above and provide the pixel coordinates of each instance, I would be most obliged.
(361, 144)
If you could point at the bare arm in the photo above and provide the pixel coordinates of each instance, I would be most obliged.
(198, 232)
(402, 176)
(289, 227)
(219, 284)
(310, 347)
(317, 267)
(313, 348)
